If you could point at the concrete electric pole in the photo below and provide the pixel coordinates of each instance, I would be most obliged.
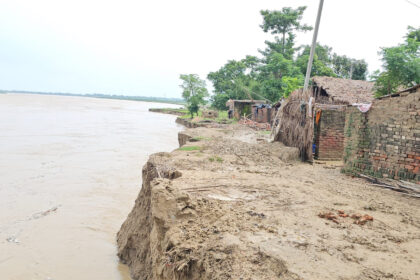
(311, 55)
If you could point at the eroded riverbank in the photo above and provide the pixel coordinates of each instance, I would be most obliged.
(69, 169)
(228, 205)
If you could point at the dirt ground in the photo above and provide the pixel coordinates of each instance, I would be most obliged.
(230, 205)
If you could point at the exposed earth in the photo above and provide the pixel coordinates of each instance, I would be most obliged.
(230, 205)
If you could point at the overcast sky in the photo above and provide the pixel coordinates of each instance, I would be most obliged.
(140, 47)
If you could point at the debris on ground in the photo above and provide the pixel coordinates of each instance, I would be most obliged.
(44, 213)
(359, 219)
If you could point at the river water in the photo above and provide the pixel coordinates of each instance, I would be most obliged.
(70, 170)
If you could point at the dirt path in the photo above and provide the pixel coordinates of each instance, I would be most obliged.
(234, 207)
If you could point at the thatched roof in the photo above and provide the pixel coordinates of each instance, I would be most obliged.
(345, 91)
(293, 126)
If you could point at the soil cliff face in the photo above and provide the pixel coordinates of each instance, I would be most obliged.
(231, 206)
(144, 237)
(159, 239)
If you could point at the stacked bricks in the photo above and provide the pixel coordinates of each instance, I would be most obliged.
(329, 137)
(385, 142)
(262, 115)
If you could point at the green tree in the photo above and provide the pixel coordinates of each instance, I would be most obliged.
(284, 23)
(401, 65)
(331, 64)
(276, 77)
(321, 65)
(349, 68)
(193, 91)
(234, 80)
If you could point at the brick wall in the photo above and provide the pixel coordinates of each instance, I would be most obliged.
(329, 135)
(262, 115)
(385, 141)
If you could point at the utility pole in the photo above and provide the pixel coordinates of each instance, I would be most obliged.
(311, 55)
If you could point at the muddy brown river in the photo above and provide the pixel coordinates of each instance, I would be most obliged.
(70, 170)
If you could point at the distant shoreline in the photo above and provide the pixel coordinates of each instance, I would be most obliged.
(177, 101)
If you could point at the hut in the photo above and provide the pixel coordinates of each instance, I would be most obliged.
(332, 96)
(314, 120)
(239, 108)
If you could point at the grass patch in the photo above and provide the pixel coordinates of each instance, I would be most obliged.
(190, 148)
(179, 110)
(265, 132)
(222, 117)
(199, 138)
(186, 116)
(215, 158)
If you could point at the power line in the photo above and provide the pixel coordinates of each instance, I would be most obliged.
(412, 3)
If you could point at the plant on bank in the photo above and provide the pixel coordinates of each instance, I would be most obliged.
(193, 91)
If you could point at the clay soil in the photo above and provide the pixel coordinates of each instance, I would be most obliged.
(230, 205)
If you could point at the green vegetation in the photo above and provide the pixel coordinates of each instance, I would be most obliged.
(222, 117)
(190, 148)
(188, 115)
(199, 138)
(401, 65)
(216, 158)
(193, 91)
(282, 66)
(181, 111)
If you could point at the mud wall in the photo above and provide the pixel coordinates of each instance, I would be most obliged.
(188, 123)
(146, 237)
(385, 141)
(183, 138)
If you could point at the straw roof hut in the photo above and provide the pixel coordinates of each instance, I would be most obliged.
(342, 91)
(294, 122)
(292, 125)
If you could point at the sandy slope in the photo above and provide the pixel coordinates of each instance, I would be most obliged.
(239, 208)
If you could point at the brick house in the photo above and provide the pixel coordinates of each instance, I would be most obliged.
(239, 108)
(332, 97)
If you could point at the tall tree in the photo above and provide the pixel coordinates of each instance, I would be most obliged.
(276, 77)
(321, 65)
(331, 64)
(349, 68)
(193, 91)
(284, 23)
(401, 65)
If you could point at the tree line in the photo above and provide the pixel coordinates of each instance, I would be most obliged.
(281, 66)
